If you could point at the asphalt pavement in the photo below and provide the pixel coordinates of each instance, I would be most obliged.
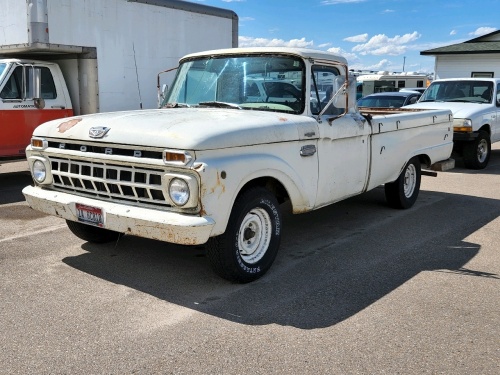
(357, 288)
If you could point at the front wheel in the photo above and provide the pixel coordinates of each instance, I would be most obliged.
(249, 246)
(477, 153)
(403, 192)
(93, 234)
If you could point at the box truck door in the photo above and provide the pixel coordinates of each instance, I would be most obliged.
(18, 114)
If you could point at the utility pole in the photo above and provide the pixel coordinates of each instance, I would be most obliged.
(404, 61)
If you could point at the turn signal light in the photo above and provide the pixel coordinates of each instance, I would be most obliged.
(39, 143)
(176, 157)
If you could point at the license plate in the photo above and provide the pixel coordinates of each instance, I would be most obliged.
(90, 215)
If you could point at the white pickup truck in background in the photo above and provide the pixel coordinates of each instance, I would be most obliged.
(475, 103)
(239, 132)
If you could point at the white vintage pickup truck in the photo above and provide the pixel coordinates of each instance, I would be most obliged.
(239, 132)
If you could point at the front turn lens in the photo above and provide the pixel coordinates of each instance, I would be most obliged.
(39, 171)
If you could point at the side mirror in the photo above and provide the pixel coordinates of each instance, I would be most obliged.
(31, 82)
(163, 92)
(37, 83)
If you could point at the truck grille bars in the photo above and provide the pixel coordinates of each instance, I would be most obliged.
(109, 181)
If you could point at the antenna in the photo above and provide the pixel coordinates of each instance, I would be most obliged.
(137, 78)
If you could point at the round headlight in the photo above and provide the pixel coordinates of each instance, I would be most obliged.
(39, 171)
(178, 191)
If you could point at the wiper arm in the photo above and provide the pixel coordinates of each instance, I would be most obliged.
(220, 105)
(176, 105)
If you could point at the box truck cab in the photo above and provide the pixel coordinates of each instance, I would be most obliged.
(83, 57)
(31, 92)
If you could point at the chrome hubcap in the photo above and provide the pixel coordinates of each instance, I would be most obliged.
(254, 235)
(410, 180)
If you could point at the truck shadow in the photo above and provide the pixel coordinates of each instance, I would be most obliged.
(11, 185)
(333, 263)
(493, 167)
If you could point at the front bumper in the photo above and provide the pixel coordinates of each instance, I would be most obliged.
(464, 137)
(143, 222)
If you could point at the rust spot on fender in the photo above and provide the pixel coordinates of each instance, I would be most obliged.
(66, 125)
(283, 119)
(218, 185)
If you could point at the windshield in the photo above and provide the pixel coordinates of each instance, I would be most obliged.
(262, 82)
(459, 91)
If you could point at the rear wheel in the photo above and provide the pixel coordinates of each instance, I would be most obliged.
(477, 153)
(249, 246)
(403, 192)
(90, 233)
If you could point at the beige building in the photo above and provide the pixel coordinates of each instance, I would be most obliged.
(478, 57)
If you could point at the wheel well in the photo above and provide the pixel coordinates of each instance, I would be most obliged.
(486, 128)
(271, 184)
(425, 160)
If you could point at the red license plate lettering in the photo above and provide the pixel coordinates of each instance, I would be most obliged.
(90, 215)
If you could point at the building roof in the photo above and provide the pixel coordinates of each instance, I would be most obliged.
(489, 43)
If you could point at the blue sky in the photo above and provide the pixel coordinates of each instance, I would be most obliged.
(371, 34)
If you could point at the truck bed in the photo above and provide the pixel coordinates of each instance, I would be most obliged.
(383, 111)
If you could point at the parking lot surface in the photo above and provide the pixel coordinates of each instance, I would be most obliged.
(357, 288)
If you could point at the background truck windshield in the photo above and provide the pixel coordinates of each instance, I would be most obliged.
(459, 91)
(264, 82)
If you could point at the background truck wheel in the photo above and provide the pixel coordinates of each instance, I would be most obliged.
(249, 246)
(403, 192)
(92, 234)
(477, 153)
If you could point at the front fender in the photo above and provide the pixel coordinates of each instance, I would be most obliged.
(223, 177)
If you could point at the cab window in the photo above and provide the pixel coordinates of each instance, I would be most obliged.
(14, 89)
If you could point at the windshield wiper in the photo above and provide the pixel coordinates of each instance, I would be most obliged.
(176, 105)
(220, 105)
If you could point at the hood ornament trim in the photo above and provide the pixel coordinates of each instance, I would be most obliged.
(98, 131)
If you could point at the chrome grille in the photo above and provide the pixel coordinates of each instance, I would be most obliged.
(109, 181)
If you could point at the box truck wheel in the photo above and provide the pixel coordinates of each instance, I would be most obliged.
(477, 153)
(249, 246)
(403, 192)
(92, 234)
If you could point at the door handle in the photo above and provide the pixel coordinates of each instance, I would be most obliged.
(307, 150)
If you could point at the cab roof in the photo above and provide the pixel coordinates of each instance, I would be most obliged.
(305, 53)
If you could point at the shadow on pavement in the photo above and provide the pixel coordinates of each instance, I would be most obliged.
(11, 185)
(332, 264)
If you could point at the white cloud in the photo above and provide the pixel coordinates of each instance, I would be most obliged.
(388, 11)
(351, 57)
(381, 65)
(383, 45)
(243, 19)
(245, 41)
(361, 38)
(324, 45)
(482, 31)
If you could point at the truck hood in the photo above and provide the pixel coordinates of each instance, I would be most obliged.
(459, 109)
(182, 128)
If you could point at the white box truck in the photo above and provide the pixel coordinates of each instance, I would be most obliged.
(60, 58)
